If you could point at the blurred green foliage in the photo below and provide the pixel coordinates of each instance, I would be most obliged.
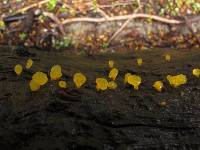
(64, 43)
(51, 5)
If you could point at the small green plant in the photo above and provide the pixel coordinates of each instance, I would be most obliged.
(51, 5)
(105, 45)
(64, 43)
(22, 36)
(94, 6)
(63, 9)
(196, 7)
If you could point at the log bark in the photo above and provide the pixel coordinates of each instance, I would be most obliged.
(85, 119)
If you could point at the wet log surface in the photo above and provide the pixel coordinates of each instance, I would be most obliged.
(55, 119)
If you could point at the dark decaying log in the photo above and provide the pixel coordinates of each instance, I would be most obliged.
(112, 120)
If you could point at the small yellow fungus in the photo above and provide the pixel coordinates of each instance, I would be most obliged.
(62, 84)
(139, 61)
(111, 63)
(79, 79)
(56, 72)
(158, 85)
(18, 69)
(34, 86)
(196, 72)
(126, 77)
(135, 81)
(167, 57)
(2, 25)
(29, 63)
(177, 80)
(101, 84)
(113, 73)
(112, 85)
(40, 78)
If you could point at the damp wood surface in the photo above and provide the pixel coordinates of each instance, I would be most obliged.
(112, 120)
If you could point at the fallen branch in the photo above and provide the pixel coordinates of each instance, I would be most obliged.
(125, 17)
(32, 6)
(117, 4)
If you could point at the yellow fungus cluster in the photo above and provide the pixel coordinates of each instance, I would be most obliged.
(18, 69)
(176, 81)
(34, 86)
(113, 74)
(62, 84)
(111, 63)
(101, 84)
(168, 57)
(112, 85)
(79, 79)
(196, 72)
(126, 77)
(139, 61)
(40, 79)
(29, 63)
(135, 81)
(56, 72)
(158, 85)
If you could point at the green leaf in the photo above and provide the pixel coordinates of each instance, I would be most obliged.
(51, 4)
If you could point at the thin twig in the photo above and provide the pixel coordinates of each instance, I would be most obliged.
(56, 20)
(119, 18)
(32, 6)
(123, 26)
(117, 4)
(139, 4)
(119, 30)
(102, 13)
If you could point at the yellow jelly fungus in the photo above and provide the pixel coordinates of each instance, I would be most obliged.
(101, 84)
(34, 86)
(126, 77)
(62, 84)
(18, 69)
(167, 57)
(56, 72)
(112, 85)
(196, 72)
(29, 63)
(158, 85)
(113, 74)
(40, 78)
(79, 79)
(176, 81)
(2, 25)
(139, 61)
(111, 63)
(135, 81)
